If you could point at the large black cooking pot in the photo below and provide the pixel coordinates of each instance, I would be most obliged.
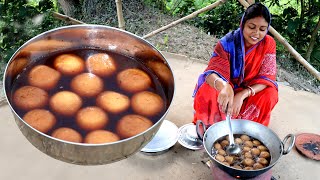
(253, 129)
(97, 37)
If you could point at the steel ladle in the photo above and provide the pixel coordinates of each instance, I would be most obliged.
(233, 148)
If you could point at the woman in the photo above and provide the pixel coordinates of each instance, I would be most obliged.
(240, 77)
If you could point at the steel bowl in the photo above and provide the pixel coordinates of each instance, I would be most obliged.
(253, 129)
(92, 36)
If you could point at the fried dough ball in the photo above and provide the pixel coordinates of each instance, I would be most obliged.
(257, 166)
(255, 151)
(67, 134)
(246, 149)
(87, 85)
(69, 64)
(133, 80)
(220, 158)
(113, 102)
(100, 137)
(161, 70)
(224, 143)
(262, 148)
(262, 161)
(131, 125)
(264, 154)
(221, 152)
(237, 167)
(40, 119)
(217, 146)
(256, 142)
(65, 103)
(244, 137)
(238, 141)
(248, 144)
(248, 162)
(226, 163)
(230, 159)
(248, 168)
(247, 155)
(17, 66)
(44, 77)
(147, 103)
(30, 97)
(101, 64)
(91, 118)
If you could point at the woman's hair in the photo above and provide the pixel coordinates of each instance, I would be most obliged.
(256, 10)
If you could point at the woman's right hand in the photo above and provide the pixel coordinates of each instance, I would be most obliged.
(225, 98)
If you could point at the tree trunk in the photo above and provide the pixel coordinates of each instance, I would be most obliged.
(313, 39)
(301, 16)
(5, 6)
(69, 7)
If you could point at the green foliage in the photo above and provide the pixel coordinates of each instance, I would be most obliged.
(218, 21)
(315, 57)
(222, 19)
(180, 7)
(20, 21)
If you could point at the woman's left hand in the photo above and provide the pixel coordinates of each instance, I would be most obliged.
(237, 102)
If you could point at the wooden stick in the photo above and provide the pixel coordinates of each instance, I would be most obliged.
(66, 18)
(292, 51)
(121, 22)
(209, 7)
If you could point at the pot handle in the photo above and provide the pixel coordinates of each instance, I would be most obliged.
(291, 143)
(200, 133)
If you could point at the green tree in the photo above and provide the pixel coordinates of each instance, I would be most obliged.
(20, 21)
(299, 23)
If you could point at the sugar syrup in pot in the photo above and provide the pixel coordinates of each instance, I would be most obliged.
(81, 39)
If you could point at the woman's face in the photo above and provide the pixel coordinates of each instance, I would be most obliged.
(254, 30)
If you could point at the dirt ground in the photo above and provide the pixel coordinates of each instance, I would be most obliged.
(195, 43)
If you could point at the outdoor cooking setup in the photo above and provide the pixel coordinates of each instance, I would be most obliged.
(159, 137)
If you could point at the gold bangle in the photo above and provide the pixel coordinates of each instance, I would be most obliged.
(215, 81)
(249, 92)
(252, 91)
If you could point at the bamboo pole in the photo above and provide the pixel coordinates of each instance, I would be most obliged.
(66, 18)
(292, 51)
(250, 1)
(121, 22)
(192, 15)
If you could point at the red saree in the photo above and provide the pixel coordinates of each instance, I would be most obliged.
(256, 66)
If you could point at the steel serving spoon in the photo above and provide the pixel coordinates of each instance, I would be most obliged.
(233, 148)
